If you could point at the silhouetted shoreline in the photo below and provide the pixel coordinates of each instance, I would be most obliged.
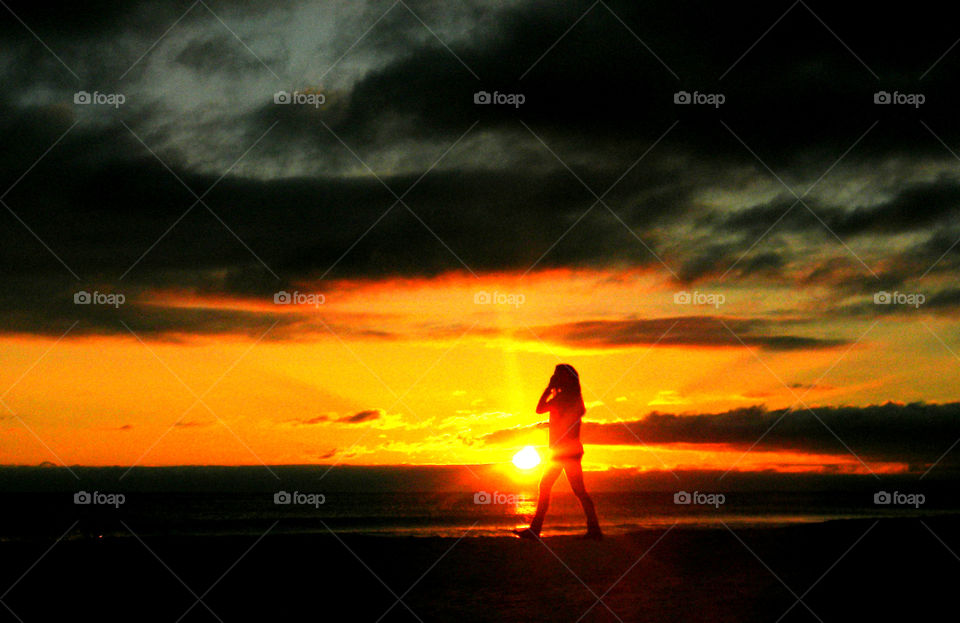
(874, 570)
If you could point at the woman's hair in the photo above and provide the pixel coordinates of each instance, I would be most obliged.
(568, 381)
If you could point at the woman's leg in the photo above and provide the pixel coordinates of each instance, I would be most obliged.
(550, 475)
(575, 478)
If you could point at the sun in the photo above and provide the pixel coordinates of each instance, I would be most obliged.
(527, 458)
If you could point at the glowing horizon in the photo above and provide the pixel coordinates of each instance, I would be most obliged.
(333, 387)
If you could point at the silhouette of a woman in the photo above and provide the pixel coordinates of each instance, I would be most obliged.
(564, 401)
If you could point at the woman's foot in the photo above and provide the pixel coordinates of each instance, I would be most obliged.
(526, 533)
(592, 534)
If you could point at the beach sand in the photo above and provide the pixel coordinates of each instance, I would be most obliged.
(854, 570)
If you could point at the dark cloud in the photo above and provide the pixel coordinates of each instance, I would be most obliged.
(222, 53)
(300, 205)
(327, 455)
(600, 90)
(122, 428)
(918, 434)
(946, 299)
(320, 419)
(916, 207)
(811, 387)
(706, 331)
(60, 18)
(362, 416)
(359, 417)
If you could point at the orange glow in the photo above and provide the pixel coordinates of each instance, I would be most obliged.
(438, 370)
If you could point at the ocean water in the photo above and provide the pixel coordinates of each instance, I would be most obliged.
(417, 501)
(43, 515)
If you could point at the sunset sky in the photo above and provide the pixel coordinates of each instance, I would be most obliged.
(767, 284)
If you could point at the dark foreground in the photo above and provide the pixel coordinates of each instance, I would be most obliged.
(842, 571)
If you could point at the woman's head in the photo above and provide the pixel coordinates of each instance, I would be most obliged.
(567, 382)
(566, 378)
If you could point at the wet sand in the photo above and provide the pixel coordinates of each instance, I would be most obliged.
(854, 570)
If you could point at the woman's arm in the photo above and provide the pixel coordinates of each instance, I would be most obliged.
(545, 397)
